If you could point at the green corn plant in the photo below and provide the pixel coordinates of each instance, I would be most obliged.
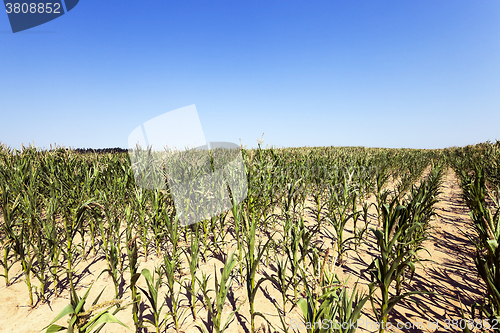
(173, 233)
(40, 270)
(156, 217)
(213, 232)
(341, 199)
(282, 280)
(152, 295)
(305, 237)
(253, 255)
(290, 199)
(30, 231)
(170, 266)
(141, 199)
(206, 245)
(222, 234)
(222, 287)
(238, 228)
(93, 225)
(314, 261)
(354, 210)
(52, 236)
(13, 238)
(72, 219)
(6, 262)
(85, 321)
(317, 192)
(284, 325)
(332, 309)
(488, 271)
(116, 238)
(192, 259)
(487, 228)
(421, 201)
(288, 232)
(26, 264)
(292, 251)
(359, 233)
(10, 207)
(381, 179)
(105, 231)
(112, 196)
(393, 259)
(113, 269)
(132, 254)
(55, 267)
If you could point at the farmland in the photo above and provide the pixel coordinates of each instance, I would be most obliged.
(326, 234)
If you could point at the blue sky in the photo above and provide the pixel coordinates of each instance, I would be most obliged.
(417, 74)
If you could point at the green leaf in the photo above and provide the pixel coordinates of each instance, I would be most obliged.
(105, 318)
(66, 311)
(395, 299)
(302, 303)
(134, 278)
(55, 328)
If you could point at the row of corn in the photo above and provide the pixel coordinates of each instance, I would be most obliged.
(478, 168)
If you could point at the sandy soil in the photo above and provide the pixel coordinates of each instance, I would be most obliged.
(449, 272)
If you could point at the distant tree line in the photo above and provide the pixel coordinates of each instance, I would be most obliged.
(100, 151)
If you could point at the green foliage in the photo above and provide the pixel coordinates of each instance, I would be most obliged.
(152, 295)
(59, 207)
(486, 223)
(222, 287)
(85, 321)
(332, 309)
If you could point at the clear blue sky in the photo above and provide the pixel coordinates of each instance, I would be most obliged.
(405, 73)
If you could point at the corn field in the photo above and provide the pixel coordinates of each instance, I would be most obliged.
(307, 212)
